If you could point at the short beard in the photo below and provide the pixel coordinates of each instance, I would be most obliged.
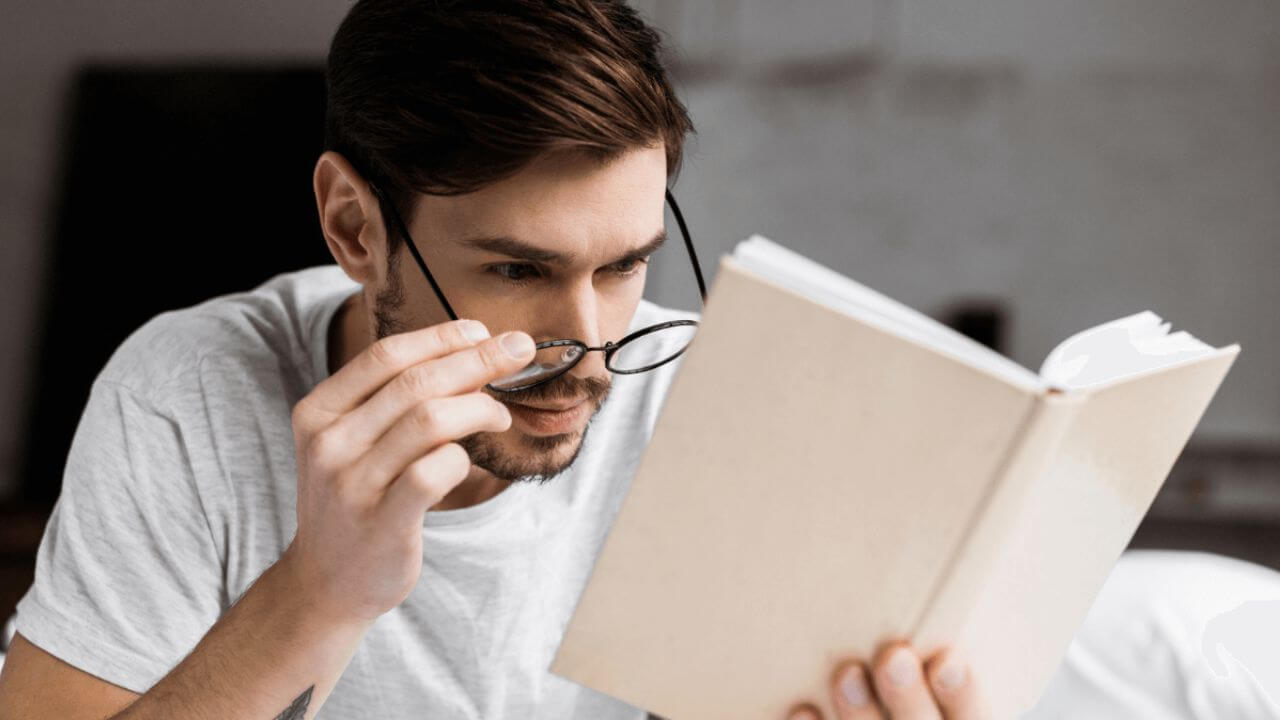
(388, 301)
(482, 447)
(485, 454)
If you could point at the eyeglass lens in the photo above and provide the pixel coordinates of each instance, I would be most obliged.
(651, 348)
(547, 363)
(636, 354)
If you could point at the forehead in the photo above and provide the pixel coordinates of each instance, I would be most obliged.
(569, 202)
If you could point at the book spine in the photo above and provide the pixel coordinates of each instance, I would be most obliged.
(943, 616)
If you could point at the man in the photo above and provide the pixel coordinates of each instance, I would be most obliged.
(327, 493)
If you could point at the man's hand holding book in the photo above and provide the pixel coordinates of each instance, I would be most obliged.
(899, 685)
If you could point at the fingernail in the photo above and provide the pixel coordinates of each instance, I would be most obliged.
(474, 331)
(516, 344)
(805, 714)
(902, 668)
(951, 677)
(853, 687)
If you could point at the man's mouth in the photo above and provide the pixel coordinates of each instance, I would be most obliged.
(549, 419)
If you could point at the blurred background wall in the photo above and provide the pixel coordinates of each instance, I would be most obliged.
(1078, 160)
(42, 45)
(1058, 162)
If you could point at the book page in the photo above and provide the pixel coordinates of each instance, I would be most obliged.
(1118, 350)
(1107, 353)
(806, 485)
(827, 474)
(799, 274)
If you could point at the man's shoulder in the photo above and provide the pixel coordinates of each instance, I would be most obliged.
(270, 325)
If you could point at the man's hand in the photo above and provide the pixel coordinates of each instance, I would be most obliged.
(376, 447)
(898, 686)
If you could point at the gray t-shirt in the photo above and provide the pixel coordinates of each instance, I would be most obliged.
(180, 488)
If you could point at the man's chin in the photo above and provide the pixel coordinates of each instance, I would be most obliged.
(536, 447)
(546, 443)
(523, 457)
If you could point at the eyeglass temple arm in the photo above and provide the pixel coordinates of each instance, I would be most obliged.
(417, 257)
(404, 233)
(688, 243)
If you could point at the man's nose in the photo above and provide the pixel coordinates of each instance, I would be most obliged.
(576, 316)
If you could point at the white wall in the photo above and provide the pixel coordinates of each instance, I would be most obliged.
(1078, 201)
(1081, 158)
(1073, 35)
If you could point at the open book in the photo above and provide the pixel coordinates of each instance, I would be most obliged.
(832, 469)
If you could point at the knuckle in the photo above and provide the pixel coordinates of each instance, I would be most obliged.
(303, 418)
(347, 490)
(427, 416)
(491, 358)
(453, 334)
(464, 333)
(321, 448)
(301, 412)
(386, 351)
(455, 460)
(434, 477)
(423, 482)
(420, 380)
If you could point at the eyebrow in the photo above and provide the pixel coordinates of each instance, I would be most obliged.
(644, 250)
(519, 250)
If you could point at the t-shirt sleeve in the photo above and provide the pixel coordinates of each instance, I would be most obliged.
(128, 578)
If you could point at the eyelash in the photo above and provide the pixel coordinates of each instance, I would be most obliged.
(496, 269)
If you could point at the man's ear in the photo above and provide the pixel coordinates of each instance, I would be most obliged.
(350, 219)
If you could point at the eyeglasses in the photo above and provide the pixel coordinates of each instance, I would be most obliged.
(643, 350)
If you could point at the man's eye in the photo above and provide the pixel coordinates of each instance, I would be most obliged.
(629, 267)
(516, 272)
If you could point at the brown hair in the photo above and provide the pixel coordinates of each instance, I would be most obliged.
(447, 97)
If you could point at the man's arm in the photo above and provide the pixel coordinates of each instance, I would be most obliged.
(35, 684)
(376, 447)
(271, 656)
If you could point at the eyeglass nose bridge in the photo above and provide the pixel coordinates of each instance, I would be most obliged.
(607, 348)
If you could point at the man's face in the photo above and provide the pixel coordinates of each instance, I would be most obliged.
(550, 251)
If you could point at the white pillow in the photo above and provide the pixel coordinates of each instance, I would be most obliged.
(1177, 635)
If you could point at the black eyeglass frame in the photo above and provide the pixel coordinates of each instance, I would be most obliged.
(609, 348)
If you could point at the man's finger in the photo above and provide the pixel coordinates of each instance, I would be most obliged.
(463, 370)
(804, 712)
(899, 682)
(953, 686)
(422, 428)
(466, 370)
(376, 365)
(425, 483)
(851, 694)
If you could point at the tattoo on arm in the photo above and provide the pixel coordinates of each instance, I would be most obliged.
(298, 709)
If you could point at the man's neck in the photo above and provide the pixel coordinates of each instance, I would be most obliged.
(348, 332)
(348, 336)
